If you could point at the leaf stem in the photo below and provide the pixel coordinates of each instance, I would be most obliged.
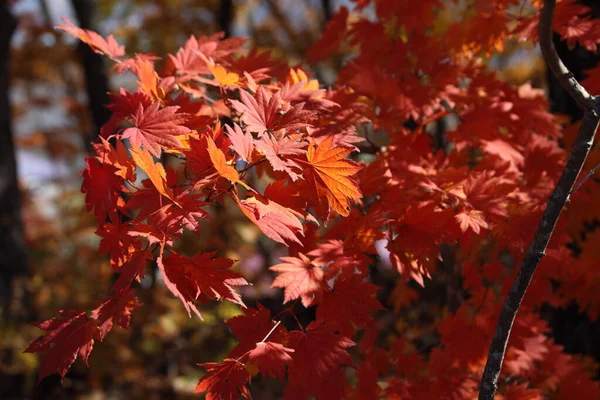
(270, 332)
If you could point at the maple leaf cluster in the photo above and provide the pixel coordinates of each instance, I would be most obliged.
(466, 199)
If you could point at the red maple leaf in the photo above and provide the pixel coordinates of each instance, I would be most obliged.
(108, 46)
(165, 215)
(350, 301)
(252, 327)
(117, 243)
(186, 211)
(278, 151)
(123, 105)
(317, 352)
(117, 157)
(261, 112)
(226, 380)
(332, 37)
(201, 277)
(198, 159)
(70, 335)
(259, 65)
(270, 358)
(188, 61)
(414, 236)
(102, 189)
(115, 310)
(276, 221)
(129, 271)
(300, 278)
(242, 142)
(156, 128)
(516, 391)
(340, 259)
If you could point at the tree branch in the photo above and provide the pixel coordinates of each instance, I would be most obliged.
(558, 68)
(555, 205)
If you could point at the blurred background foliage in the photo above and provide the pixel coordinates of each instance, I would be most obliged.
(57, 90)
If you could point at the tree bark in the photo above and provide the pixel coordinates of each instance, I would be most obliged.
(13, 259)
(96, 81)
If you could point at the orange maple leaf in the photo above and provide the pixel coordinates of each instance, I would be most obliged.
(220, 163)
(148, 78)
(332, 175)
(300, 278)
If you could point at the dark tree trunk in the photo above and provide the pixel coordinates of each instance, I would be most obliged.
(96, 81)
(327, 9)
(13, 260)
(225, 16)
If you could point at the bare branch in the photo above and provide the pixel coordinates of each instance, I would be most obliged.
(555, 205)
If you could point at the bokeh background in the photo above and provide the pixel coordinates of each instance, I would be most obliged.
(48, 257)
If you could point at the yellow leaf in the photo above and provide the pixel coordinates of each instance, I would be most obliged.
(223, 77)
(220, 163)
(155, 171)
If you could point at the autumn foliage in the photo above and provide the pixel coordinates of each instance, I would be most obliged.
(347, 178)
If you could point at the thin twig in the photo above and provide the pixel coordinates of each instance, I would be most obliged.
(252, 165)
(271, 331)
(556, 203)
(585, 178)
